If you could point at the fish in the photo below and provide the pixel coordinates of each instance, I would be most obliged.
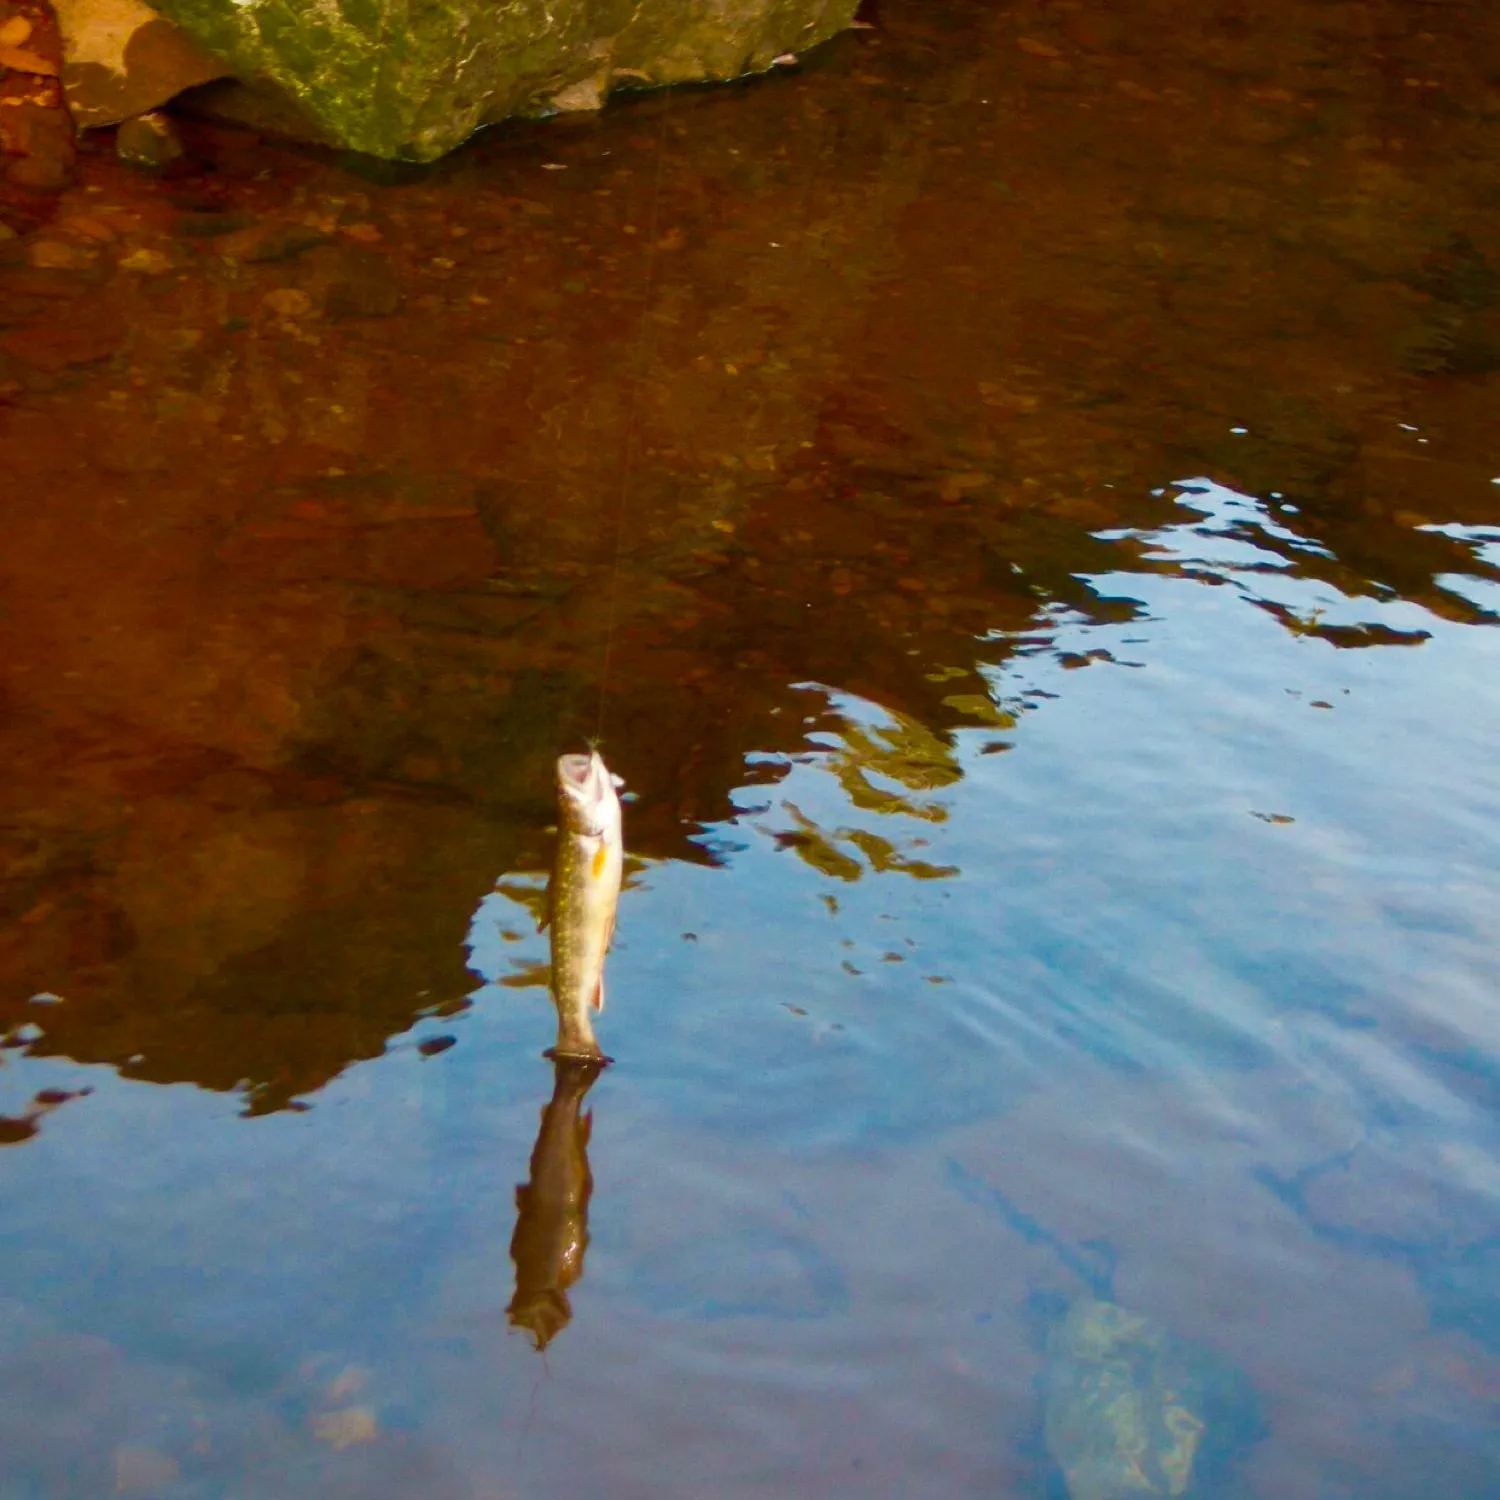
(584, 896)
(552, 1208)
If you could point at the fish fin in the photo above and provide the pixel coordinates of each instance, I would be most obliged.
(586, 1133)
(609, 937)
(544, 921)
(599, 995)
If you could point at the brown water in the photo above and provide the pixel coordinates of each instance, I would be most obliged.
(1020, 498)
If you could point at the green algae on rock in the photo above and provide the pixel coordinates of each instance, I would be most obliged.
(1132, 1411)
(411, 82)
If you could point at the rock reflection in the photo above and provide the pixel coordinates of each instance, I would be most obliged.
(907, 385)
(24, 1124)
(552, 1207)
(877, 766)
(14, 1129)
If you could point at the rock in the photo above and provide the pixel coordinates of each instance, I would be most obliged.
(143, 1471)
(350, 1381)
(148, 141)
(256, 106)
(199, 224)
(1406, 1195)
(85, 228)
(585, 95)
(61, 255)
(345, 1428)
(24, 61)
(38, 288)
(36, 133)
(471, 62)
(146, 262)
(271, 241)
(120, 59)
(1464, 1291)
(67, 341)
(288, 303)
(1134, 1412)
(361, 285)
(29, 45)
(42, 172)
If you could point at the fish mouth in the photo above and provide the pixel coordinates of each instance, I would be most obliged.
(576, 771)
(586, 788)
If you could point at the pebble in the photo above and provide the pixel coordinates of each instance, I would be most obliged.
(65, 341)
(147, 262)
(289, 302)
(362, 285)
(82, 228)
(48, 169)
(60, 255)
(263, 242)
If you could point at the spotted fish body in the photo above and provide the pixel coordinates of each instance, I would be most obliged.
(585, 894)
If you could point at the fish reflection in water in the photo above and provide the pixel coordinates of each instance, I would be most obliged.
(552, 1218)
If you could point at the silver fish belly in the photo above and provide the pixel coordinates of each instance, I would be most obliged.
(585, 894)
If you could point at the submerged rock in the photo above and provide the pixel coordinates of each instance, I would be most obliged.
(380, 78)
(1132, 1411)
(149, 142)
(38, 142)
(36, 135)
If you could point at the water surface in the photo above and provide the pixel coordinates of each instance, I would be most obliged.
(1020, 499)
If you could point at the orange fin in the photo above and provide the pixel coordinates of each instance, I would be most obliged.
(599, 995)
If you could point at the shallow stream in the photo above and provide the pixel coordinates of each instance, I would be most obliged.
(1019, 498)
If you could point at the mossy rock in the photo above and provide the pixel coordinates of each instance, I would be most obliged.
(1134, 1412)
(411, 79)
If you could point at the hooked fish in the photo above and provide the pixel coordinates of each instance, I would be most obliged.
(584, 895)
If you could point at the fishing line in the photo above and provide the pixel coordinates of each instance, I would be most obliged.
(545, 1378)
(637, 378)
